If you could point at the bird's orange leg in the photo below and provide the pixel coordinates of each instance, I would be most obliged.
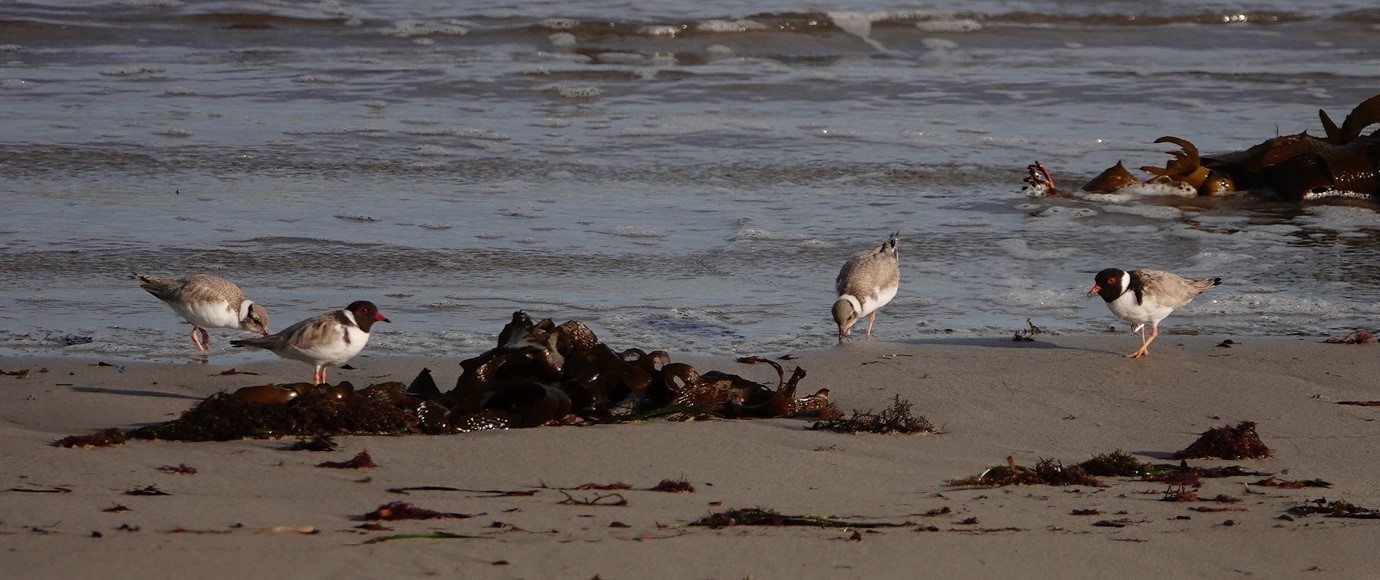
(1154, 332)
(1140, 351)
(197, 341)
(1144, 349)
(319, 376)
(870, 319)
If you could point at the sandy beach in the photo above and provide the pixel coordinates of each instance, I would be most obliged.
(254, 508)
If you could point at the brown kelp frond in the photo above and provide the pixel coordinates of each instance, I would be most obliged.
(361, 460)
(1185, 167)
(580, 375)
(1114, 178)
(609, 499)
(768, 517)
(1364, 115)
(399, 510)
(601, 486)
(1360, 336)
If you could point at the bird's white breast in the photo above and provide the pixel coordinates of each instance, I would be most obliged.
(208, 314)
(1148, 311)
(879, 297)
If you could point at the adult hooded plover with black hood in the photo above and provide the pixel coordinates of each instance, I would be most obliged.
(1146, 297)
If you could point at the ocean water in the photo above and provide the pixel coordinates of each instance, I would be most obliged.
(678, 175)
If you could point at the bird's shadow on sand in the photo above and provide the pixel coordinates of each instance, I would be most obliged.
(135, 393)
(1161, 455)
(989, 343)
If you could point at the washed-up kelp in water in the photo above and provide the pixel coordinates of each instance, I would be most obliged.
(539, 374)
(1300, 167)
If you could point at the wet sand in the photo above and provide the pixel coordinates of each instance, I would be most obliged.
(1061, 397)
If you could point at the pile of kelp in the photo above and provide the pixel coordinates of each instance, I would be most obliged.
(539, 374)
(1300, 167)
(1238, 441)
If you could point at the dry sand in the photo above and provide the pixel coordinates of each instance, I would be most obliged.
(1063, 398)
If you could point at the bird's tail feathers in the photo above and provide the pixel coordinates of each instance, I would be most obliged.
(152, 284)
(1205, 283)
(264, 342)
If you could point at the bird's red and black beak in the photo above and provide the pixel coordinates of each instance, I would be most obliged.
(380, 317)
(1095, 290)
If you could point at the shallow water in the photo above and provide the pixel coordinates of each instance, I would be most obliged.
(686, 176)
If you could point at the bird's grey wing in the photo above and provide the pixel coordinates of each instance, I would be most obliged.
(1169, 289)
(314, 327)
(862, 275)
(205, 288)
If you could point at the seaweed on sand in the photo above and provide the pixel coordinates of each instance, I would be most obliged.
(894, 419)
(674, 486)
(1335, 509)
(1272, 481)
(225, 417)
(399, 510)
(361, 460)
(1115, 464)
(1045, 472)
(539, 374)
(104, 438)
(1227, 442)
(766, 517)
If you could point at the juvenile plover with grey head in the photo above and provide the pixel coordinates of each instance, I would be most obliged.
(207, 301)
(1144, 297)
(866, 283)
(325, 340)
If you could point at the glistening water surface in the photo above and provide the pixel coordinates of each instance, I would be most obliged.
(686, 176)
